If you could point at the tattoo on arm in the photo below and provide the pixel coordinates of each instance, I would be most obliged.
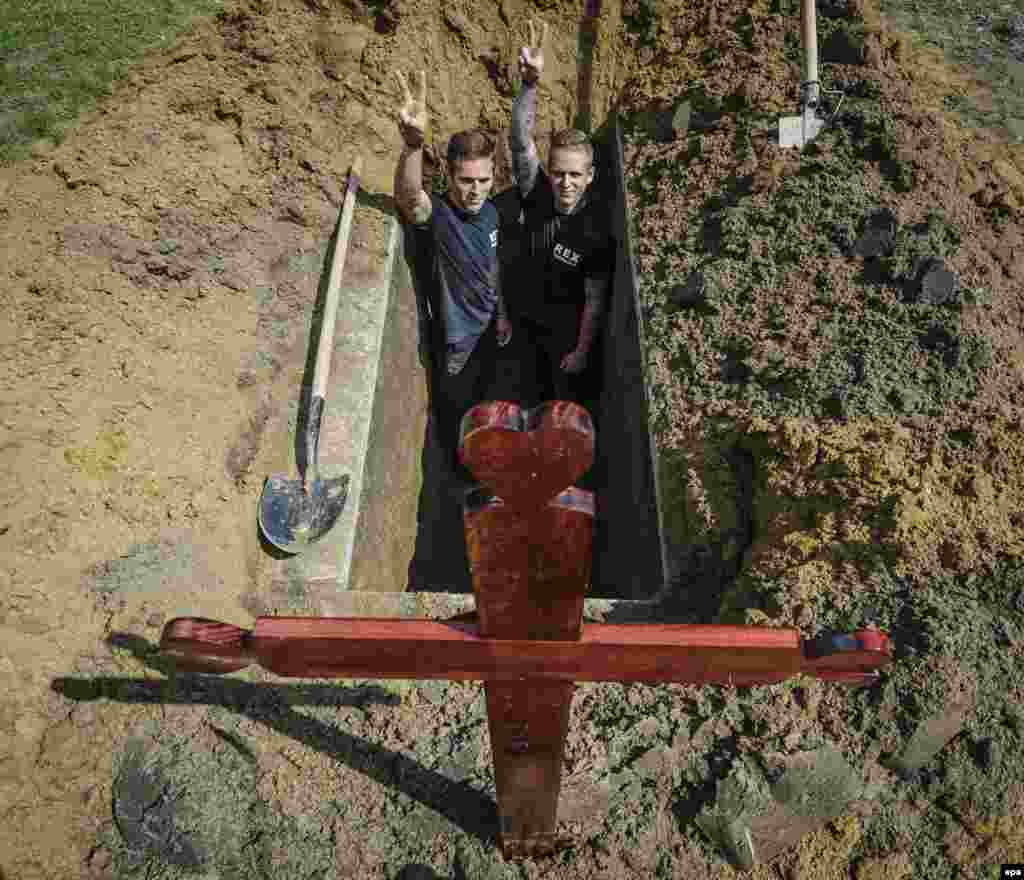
(525, 162)
(593, 310)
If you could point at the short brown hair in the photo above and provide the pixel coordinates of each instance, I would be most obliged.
(467, 145)
(572, 139)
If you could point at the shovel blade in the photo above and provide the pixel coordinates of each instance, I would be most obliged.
(798, 131)
(291, 519)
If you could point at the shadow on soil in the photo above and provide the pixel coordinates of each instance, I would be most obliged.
(268, 704)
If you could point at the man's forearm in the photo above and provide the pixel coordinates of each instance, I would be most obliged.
(525, 161)
(409, 178)
(590, 323)
(524, 111)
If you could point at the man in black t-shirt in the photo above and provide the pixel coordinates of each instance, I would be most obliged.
(454, 243)
(560, 250)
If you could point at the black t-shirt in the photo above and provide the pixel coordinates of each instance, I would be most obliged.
(546, 256)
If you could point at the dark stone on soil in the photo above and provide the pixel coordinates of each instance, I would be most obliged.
(879, 235)
(984, 753)
(873, 243)
(938, 339)
(706, 121)
(690, 294)
(1007, 634)
(842, 48)
(857, 366)
(736, 372)
(937, 285)
(843, 238)
(666, 126)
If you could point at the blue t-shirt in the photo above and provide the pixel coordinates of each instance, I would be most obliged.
(463, 249)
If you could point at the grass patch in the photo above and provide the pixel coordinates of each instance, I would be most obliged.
(60, 56)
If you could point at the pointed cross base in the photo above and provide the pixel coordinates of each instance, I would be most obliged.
(530, 556)
(530, 562)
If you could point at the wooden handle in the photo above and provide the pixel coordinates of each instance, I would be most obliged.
(810, 39)
(326, 346)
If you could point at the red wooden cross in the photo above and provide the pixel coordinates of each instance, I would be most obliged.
(529, 549)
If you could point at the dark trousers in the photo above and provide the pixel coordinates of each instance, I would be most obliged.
(451, 396)
(542, 349)
(543, 379)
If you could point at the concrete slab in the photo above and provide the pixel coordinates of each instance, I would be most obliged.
(386, 529)
(325, 567)
(440, 605)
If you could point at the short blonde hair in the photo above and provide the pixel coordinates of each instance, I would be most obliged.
(572, 139)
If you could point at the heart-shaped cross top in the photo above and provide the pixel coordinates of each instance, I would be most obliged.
(527, 457)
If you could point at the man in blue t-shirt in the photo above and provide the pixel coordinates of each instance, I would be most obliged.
(455, 255)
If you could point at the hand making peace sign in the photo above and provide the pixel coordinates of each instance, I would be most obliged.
(531, 57)
(412, 116)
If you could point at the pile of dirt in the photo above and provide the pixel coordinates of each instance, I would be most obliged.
(835, 376)
(837, 367)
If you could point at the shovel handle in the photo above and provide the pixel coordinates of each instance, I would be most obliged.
(326, 346)
(809, 26)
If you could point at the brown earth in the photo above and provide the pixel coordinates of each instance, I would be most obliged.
(158, 270)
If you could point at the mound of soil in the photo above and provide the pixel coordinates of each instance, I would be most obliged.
(835, 376)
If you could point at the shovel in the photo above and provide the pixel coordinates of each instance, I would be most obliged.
(798, 131)
(295, 513)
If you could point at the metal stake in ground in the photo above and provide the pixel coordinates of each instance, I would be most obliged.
(798, 131)
(295, 513)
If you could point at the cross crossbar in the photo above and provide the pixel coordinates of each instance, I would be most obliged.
(341, 647)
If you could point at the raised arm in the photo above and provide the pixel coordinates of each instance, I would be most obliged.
(413, 202)
(525, 161)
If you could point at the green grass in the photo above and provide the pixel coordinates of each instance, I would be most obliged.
(58, 56)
